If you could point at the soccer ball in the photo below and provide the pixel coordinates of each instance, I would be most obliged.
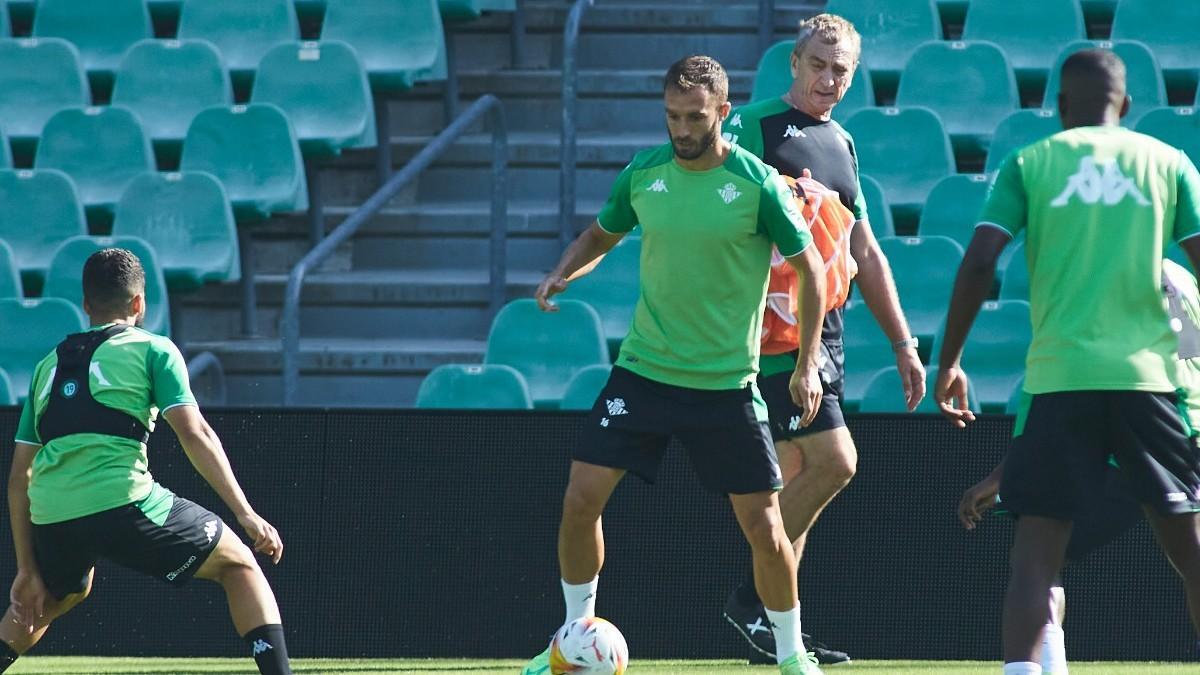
(588, 646)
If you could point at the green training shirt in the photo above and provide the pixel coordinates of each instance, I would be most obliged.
(1098, 206)
(706, 256)
(136, 372)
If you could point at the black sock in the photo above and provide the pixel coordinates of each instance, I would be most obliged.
(269, 649)
(746, 593)
(7, 656)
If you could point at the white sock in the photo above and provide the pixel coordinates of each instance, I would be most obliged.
(786, 626)
(1022, 668)
(581, 599)
(1054, 651)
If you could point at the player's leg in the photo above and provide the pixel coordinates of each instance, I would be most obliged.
(1179, 537)
(829, 460)
(1038, 551)
(17, 639)
(581, 535)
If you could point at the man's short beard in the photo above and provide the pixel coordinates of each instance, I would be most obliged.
(705, 143)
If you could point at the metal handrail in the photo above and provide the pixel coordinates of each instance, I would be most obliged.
(289, 323)
(206, 361)
(766, 24)
(566, 180)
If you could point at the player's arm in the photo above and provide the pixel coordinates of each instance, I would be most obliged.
(805, 384)
(581, 257)
(204, 450)
(29, 595)
(1187, 211)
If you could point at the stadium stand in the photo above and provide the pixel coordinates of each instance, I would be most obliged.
(953, 207)
(1169, 29)
(188, 221)
(891, 31)
(885, 394)
(243, 32)
(547, 348)
(612, 289)
(48, 198)
(5, 28)
(1014, 276)
(29, 329)
(39, 77)
(10, 274)
(102, 31)
(1179, 127)
(474, 387)
(583, 389)
(1144, 80)
(64, 279)
(774, 77)
(878, 210)
(1018, 130)
(7, 395)
(399, 43)
(1031, 33)
(924, 269)
(468, 10)
(994, 355)
(867, 351)
(6, 160)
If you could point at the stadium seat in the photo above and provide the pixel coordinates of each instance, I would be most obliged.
(994, 356)
(1179, 127)
(885, 394)
(399, 43)
(253, 151)
(101, 30)
(1019, 130)
(1031, 32)
(101, 149)
(5, 28)
(6, 160)
(474, 387)
(969, 85)
(1014, 399)
(867, 351)
(65, 276)
(774, 77)
(166, 83)
(47, 198)
(324, 91)
(891, 31)
(243, 32)
(907, 151)
(7, 395)
(188, 221)
(1169, 29)
(1143, 81)
(29, 329)
(924, 269)
(39, 78)
(612, 289)
(1014, 276)
(878, 210)
(547, 348)
(585, 387)
(10, 274)
(953, 208)
(469, 10)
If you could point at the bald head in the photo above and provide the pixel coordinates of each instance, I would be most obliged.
(1092, 92)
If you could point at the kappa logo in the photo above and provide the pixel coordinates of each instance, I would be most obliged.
(736, 120)
(792, 131)
(261, 646)
(659, 185)
(729, 193)
(732, 138)
(794, 423)
(616, 406)
(1096, 182)
(210, 530)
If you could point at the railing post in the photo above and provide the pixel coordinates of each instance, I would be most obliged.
(766, 24)
(518, 35)
(383, 140)
(450, 101)
(566, 208)
(499, 253)
(249, 291)
(316, 203)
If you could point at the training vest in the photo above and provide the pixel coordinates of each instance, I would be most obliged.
(831, 224)
(72, 409)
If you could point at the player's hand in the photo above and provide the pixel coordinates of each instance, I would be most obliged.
(912, 377)
(552, 285)
(264, 536)
(29, 597)
(951, 395)
(977, 500)
(805, 386)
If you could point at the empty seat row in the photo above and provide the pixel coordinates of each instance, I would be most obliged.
(494, 386)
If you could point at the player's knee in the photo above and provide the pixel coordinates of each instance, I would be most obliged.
(235, 560)
(578, 504)
(765, 533)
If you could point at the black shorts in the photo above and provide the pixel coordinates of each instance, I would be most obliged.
(1060, 453)
(634, 419)
(1111, 514)
(67, 551)
(785, 416)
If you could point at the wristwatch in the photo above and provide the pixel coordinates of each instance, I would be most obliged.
(906, 343)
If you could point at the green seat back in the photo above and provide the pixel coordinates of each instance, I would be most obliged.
(907, 151)
(867, 350)
(10, 274)
(39, 78)
(324, 91)
(7, 395)
(1143, 77)
(953, 208)
(474, 387)
(1179, 127)
(585, 387)
(994, 356)
(1031, 32)
(101, 30)
(924, 269)
(891, 29)
(48, 199)
(885, 394)
(101, 149)
(879, 212)
(29, 331)
(399, 43)
(65, 277)
(612, 289)
(1019, 130)
(166, 83)
(241, 31)
(188, 221)
(547, 348)
(253, 151)
(1169, 29)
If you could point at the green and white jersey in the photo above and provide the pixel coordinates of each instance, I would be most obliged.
(1098, 206)
(136, 372)
(706, 256)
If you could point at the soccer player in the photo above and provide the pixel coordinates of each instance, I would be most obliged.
(1098, 204)
(80, 488)
(793, 134)
(710, 213)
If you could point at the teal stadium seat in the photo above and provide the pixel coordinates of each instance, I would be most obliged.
(40, 77)
(585, 387)
(907, 151)
(612, 289)
(474, 387)
(29, 330)
(969, 85)
(547, 348)
(885, 394)
(101, 30)
(324, 91)
(187, 219)
(891, 31)
(994, 356)
(166, 83)
(5, 27)
(7, 395)
(469, 10)
(47, 198)
(399, 43)
(1014, 277)
(6, 160)
(1143, 80)
(1019, 130)
(1179, 127)
(867, 351)
(1169, 29)
(10, 274)
(1031, 32)
(101, 149)
(65, 277)
(243, 32)
(774, 77)
(953, 208)
(878, 210)
(252, 150)
(924, 269)
(1014, 399)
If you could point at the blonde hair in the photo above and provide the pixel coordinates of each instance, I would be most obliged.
(831, 28)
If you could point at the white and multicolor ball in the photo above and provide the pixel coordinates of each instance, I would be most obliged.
(588, 646)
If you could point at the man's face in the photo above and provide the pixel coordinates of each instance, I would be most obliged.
(693, 120)
(822, 74)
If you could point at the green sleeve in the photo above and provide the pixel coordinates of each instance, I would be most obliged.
(860, 202)
(743, 130)
(168, 376)
(1006, 203)
(1187, 207)
(27, 427)
(780, 219)
(618, 216)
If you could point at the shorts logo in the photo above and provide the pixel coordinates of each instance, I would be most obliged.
(183, 568)
(69, 389)
(210, 530)
(1177, 497)
(794, 423)
(616, 406)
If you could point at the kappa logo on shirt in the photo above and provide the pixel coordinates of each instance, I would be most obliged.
(736, 120)
(729, 193)
(792, 131)
(732, 138)
(659, 185)
(1096, 182)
